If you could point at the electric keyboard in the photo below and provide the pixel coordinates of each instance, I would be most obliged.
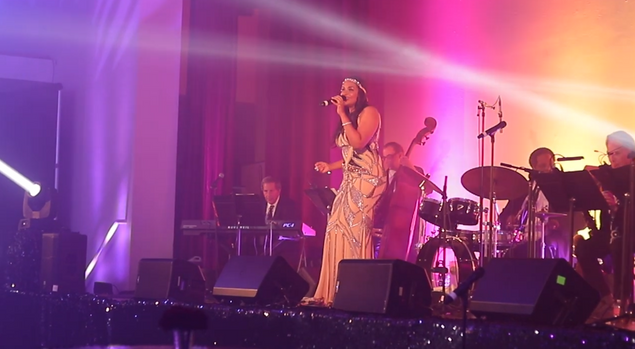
(281, 228)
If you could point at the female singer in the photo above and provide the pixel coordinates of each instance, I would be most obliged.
(349, 229)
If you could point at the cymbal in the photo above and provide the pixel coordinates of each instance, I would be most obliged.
(428, 184)
(546, 215)
(508, 184)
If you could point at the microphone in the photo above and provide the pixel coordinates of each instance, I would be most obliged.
(330, 101)
(485, 105)
(215, 182)
(464, 286)
(490, 131)
(528, 170)
(500, 110)
(570, 158)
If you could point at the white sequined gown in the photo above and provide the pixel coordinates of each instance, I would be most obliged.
(349, 229)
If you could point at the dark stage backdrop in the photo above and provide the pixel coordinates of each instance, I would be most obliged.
(28, 134)
(297, 132)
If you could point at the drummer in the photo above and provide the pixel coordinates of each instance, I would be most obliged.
(541, 160)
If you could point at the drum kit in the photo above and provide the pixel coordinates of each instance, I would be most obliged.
(450, 256)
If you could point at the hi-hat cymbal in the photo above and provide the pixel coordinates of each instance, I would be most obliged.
(508, 184)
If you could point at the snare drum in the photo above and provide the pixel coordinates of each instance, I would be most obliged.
(463, 211)
(459, 260)
(430, 211)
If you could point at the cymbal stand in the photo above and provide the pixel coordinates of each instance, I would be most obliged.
(445, 213)
(531, 221)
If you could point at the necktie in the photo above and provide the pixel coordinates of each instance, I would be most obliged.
(270, 213)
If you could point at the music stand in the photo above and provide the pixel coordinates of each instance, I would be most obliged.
(239, 210)
(569, 192)
(322, 198)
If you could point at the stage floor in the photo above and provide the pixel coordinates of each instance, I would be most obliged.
(71, 321)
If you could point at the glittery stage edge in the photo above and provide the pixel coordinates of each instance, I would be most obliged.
(61, 321)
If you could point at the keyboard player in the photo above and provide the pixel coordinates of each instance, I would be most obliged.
(276, 207)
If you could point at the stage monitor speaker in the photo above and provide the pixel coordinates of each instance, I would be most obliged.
(540, 291)
(170, 279)
(260, 280)
(392, 287)
(63, 262)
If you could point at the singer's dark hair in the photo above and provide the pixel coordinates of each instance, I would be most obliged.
(533, 157)
(360, 105)
(624, 139)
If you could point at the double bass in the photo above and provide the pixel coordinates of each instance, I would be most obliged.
(402, 196)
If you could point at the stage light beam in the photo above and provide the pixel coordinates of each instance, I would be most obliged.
(16, 177)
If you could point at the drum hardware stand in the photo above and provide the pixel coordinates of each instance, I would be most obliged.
(531, 220)
(422, 222)
(445, 214)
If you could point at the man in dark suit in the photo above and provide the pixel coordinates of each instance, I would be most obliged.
(281, 208)
(277, 207)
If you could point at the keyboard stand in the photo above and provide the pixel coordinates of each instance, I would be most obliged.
(239, 237)
(302, 260)
(270, 238)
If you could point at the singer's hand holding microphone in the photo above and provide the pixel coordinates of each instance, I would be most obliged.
(335, 100)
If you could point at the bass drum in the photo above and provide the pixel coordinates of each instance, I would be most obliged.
(459, 260)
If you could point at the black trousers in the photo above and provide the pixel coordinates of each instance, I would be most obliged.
(602, 245)
(557, 245)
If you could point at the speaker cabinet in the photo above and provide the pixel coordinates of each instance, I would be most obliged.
(390, 287)
(260, 280)
(540, 291)
(170, 279)
(63, 262)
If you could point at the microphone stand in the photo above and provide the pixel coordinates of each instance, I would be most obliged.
(481, 113)
(216, 226)
(464, 300)
(492, 200)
